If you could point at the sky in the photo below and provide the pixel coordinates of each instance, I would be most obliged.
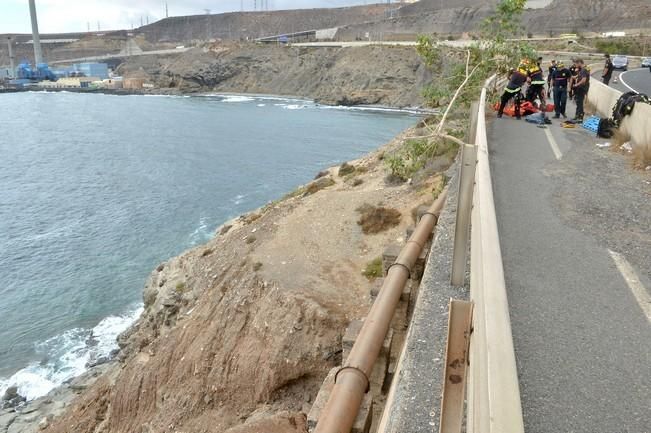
(57, 16)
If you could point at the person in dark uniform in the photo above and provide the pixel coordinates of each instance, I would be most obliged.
(580, 85)
(550, 74)
(560, 79)
(517, 78)
(608, 70)
(573, 73)
(536, 85)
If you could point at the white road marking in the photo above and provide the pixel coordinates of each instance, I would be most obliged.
(553, 144)
(621, 79)
(639, 291)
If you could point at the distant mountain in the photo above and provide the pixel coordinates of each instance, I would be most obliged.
(590, 15)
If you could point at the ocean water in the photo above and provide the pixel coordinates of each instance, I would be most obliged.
(96, 190)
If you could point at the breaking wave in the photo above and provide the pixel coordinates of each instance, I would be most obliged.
(70, 354)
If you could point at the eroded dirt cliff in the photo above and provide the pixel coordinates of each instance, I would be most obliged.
(238, 334)
(383, 75)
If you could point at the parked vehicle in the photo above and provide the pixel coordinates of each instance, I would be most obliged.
(646, 63)
(620, 62)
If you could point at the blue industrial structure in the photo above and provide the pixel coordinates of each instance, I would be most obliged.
(40, 73)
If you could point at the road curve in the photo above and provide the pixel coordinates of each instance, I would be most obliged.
(637, 79)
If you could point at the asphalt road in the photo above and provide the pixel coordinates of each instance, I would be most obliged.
(637, 79)
(582, 339)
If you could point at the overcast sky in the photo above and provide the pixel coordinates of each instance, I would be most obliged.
(74, 15)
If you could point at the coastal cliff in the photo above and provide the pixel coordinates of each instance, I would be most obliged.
(371, 75)
(238, 334)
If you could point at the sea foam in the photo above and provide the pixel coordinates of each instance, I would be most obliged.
(68, 355)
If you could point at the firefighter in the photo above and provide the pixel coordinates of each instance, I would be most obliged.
(573, 74)
(550, 74)
(517, 78)
(580, 84)
(536, 87)
(560, 79)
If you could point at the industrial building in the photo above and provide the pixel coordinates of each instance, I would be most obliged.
(69, 83)
(99, 70)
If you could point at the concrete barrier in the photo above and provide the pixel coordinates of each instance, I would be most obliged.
(637, 126)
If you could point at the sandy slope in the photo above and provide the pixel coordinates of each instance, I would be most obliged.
(238, 334)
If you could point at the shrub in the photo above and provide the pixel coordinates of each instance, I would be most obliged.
(377, 219)
(373, 269)
(346, 169)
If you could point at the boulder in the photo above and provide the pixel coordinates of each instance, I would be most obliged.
(11, 398)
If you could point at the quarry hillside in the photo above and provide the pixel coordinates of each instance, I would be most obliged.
(425, 16)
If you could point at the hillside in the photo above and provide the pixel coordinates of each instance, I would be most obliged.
(392, 76)
(251, 25)
(238, 334)
(385, 21)
(590, 16)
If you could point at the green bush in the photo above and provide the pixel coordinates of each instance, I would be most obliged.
(631, 47)
(373, 269)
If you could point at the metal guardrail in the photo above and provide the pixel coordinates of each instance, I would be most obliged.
(493, 404)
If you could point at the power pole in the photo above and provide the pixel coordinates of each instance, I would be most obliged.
(98, 26)
(12, 60)
(167, 12)
(36, 37)
(147, 19)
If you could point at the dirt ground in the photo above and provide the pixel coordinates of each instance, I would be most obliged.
(238, 334)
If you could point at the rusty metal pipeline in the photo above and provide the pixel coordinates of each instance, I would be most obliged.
(352, 380)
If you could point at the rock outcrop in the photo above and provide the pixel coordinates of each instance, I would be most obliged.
(384, 75)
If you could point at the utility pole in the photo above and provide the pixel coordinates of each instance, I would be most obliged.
(147, 19)
(36, 37)
(141, 23)
(12, 59)
(88, 26)
(167, 12)
(98, 26)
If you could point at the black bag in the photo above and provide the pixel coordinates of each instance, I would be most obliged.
(605, 128)
(625, 104)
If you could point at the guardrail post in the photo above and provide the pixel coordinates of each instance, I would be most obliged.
(464, 204)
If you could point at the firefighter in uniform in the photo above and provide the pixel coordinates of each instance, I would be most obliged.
(517, 78)
(581, 85)
(550, 74)
(573, 73)
(536, 85)
(560, 79)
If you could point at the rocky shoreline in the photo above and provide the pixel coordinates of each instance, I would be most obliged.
(18, 416)
(174, 293)
(36, 415)
(203, 353)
